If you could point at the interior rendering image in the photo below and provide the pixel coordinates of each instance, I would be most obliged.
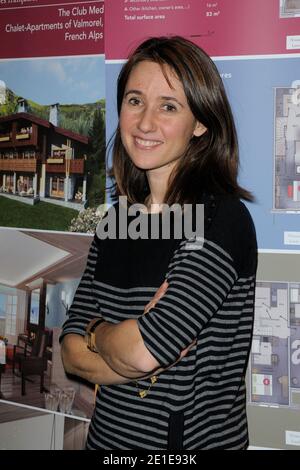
(39, 274)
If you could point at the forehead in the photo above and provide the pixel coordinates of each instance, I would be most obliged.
(150, 74)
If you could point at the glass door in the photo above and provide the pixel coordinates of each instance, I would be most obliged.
(58, 186)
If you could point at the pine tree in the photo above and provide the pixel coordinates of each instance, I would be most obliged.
(95, 164)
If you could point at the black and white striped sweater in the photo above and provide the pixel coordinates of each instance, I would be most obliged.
(200, 402)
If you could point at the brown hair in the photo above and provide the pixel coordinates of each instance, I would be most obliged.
(211, 161)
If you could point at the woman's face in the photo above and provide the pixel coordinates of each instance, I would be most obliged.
(156, 122)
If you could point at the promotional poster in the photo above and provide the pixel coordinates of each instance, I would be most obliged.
(59, 66)
(52, 182)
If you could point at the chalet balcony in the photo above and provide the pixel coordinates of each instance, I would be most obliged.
(19, 164)
(60, 165)
(23, 133)
(23, 136)
(5, 137)
(19, 137)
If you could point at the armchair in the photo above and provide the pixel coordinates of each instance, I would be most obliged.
(25, 339)
(32, 360)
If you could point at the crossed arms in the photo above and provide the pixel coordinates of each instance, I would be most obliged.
(122, 356)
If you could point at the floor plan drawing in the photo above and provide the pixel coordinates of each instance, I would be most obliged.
(287, 149)
(289, 8)
(275, 355)
(269, 355)
(295, 335)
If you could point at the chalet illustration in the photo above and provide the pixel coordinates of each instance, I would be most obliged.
(40, 160)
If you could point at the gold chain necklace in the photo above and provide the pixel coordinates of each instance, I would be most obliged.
(144, 393)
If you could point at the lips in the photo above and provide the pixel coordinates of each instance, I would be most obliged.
(146, 144)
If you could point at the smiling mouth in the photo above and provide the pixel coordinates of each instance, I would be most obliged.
(146, 144)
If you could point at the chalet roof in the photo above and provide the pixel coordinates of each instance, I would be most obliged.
(44, 123)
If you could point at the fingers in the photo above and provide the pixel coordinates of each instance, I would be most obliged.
(157, 296)
(186, 350)
(149, 306)
(161, 291)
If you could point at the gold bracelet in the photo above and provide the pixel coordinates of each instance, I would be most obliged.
(90, 333)
(144, 393)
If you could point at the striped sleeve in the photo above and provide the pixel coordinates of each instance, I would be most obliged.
(83, 308)
(199, 282)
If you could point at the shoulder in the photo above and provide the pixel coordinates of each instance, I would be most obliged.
(228, 223)
(232, 211)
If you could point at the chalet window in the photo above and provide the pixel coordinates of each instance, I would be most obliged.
(10, 182)
(11, 313)
(58, 186)
(4, 134)
(28, 182)
(24, 184)
(25, 130)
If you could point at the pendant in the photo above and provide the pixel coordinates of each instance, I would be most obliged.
(143, 393)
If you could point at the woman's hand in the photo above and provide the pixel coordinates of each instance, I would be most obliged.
(158, 295)
(186, 350)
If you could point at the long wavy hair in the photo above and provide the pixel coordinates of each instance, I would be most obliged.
(210, 162)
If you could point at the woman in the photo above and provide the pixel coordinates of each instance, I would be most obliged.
(171, 369)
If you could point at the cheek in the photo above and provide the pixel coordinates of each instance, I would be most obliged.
(126, 121)
(122, 128)
(123, 124)
(182, 133)
(122, 120)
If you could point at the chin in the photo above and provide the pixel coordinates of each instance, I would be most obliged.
(144, 167)
(143, 164)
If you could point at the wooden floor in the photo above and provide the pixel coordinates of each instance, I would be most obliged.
(11, 391)
(10, 412)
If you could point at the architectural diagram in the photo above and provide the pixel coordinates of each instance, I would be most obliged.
(289, 8)
(295, 335)
(287, 148)
(275, 356)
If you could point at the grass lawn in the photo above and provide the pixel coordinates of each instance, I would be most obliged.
(42, 215)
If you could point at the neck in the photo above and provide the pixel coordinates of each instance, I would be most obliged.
(158, 183)
(155, 198)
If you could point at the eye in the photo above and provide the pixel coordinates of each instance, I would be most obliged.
(134, 101)
(169, 107)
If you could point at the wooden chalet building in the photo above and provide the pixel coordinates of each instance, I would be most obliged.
(39, 159)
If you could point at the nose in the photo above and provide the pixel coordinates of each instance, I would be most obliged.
(146, 121)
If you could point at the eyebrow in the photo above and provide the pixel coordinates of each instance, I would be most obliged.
(166, 98)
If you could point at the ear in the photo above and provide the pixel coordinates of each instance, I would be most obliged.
(199, 129)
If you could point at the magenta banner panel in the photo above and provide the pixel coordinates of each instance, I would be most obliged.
(222, 28)
(41, 28)
(16, 4)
